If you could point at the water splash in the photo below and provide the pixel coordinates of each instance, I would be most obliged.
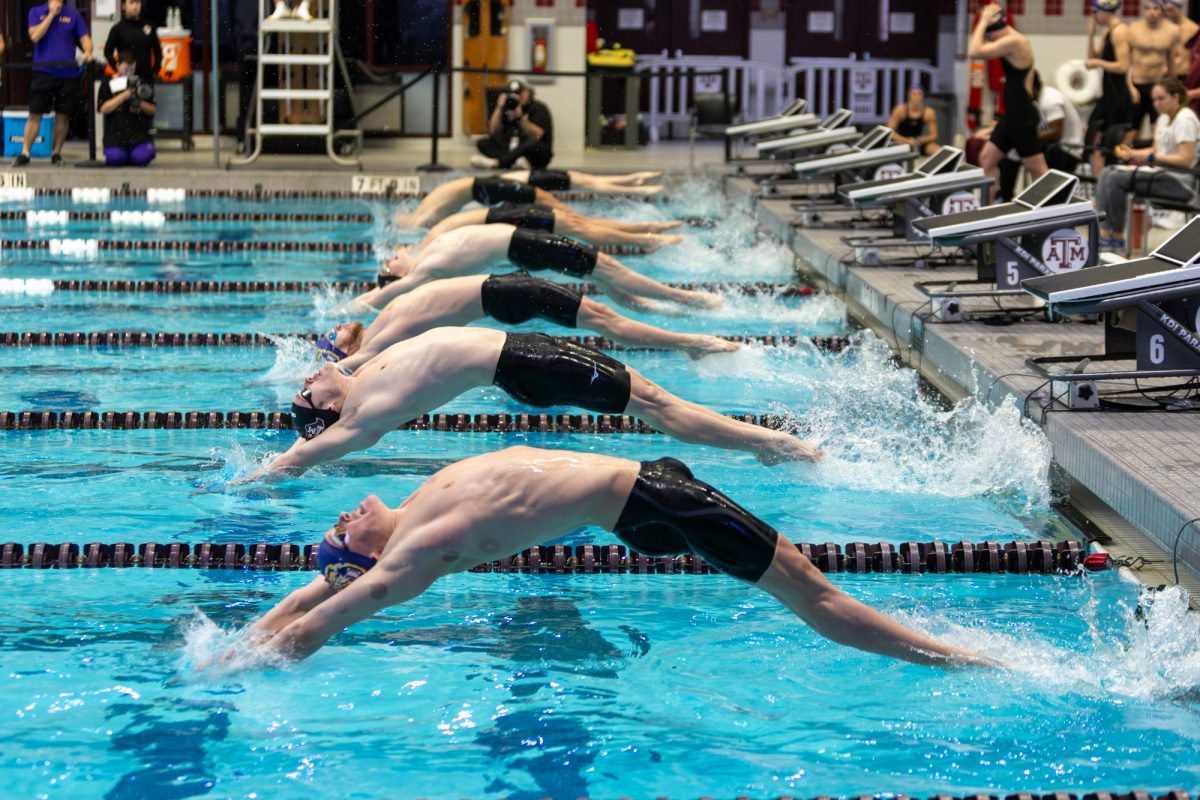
(820, 311)
(1152, 654)
(331, 306)
(210, 651)
(295, 360)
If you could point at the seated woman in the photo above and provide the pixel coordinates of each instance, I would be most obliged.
(511, 299)
(128, 115)
(915, 124)
(1175, 134)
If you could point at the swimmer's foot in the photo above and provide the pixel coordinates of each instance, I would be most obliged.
(705, 345)
(653, 241)
(639, 178)
(658, 227)
(788, 449)
(700, 299)
(646, 191)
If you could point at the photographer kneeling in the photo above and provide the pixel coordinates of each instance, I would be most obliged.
(127, 104)
(519, 127)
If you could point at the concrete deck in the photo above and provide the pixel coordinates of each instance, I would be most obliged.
(1141, 466)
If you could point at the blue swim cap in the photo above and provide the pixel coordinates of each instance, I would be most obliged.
(341, 567)
(328, 350)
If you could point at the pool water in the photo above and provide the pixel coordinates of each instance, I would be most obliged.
(535, 685)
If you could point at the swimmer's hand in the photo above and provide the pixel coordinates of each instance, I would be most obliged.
(969, 658)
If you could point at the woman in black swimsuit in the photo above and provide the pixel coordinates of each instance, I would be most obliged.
(1114, 107)
(1018, 128)
(915, 123)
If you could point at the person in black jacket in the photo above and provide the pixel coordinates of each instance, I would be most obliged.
(135, 34)
(520, 127)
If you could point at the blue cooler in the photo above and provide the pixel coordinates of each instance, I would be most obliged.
(14, 134)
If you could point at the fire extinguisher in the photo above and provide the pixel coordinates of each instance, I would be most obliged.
(540, 55)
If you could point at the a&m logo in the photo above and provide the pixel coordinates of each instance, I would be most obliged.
(958, 202)
(886, 172)
(1064, 251)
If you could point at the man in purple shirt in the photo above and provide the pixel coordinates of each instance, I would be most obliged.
(55, 30)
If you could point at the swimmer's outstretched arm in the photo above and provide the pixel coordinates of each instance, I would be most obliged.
(340, 439)
(394, 580)
(379, 298)
(800, 586)
(290, 609)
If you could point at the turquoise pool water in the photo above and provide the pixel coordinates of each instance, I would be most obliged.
(535, 686)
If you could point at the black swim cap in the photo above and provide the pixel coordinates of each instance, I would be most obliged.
(309, 421)
(998, 24)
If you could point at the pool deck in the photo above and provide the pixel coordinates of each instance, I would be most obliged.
(1133, 474)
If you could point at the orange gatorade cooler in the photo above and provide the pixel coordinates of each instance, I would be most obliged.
(176, 54)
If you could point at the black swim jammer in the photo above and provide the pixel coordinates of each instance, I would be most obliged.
(670, 512)
(537, 250)
(519, 297)
(490, 191)
(534, 218)
(551, 180)
(546, 370)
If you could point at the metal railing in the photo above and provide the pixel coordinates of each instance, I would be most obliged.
(870, 88)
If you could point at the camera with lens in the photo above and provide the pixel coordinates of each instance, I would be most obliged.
(513, 99)
(141, 91)
(511, 102)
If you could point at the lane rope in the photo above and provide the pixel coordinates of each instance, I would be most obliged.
(908, 558)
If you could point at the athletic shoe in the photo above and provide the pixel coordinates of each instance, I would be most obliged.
(483, 162)
(20, 160)
(56, 159)
(302, 12)
(1112, 243)
(281, 11)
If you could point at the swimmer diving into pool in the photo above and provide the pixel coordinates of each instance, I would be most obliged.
(647, 235)
(522, 186)
(472, 248)
(337, 414)
(513, 298)
(491, 506)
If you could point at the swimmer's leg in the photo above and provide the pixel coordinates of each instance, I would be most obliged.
(602, 319)
(442, 201)
(613, 273)
(697, 424)
(798, 584)
(602, 232)
(632, 183)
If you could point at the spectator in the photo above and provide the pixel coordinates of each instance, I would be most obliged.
(1060, 132)
(1189, 35)
(134, 33)
(1106, 125)
(1175, 134)
(915, 123)
(56, 30)
(1154, 45)
(127, 104)
(520, 127)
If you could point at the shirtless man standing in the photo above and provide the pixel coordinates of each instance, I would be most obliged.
(1154, 45)
(337, 414)
(490, 506)
(512, 299)
(1174, 11)
(473, 248)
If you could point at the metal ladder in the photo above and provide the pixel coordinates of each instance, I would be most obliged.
(328, 57)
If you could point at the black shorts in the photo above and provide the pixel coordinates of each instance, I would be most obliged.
(546, 370)
(551, 180)
(534, 218)
(1143, 107)
(535, 250)
(1017, 134)
(519, 297)
(490, 191)
(51, 93)
(670, 512)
